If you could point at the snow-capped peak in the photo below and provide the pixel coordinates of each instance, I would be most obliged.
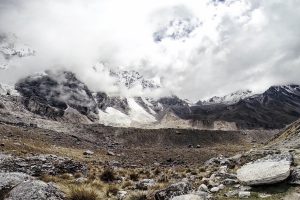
(177, 29)
(11, 47)
(230, 98)
(133, 78)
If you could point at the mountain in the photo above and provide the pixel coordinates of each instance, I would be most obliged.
(227, 99)
(11, 48)
(61, 96)
(132, 79)
(52, 93)
(275, 108)
(177, 29)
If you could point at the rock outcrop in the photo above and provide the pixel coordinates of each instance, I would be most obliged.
(35, 190)
(20, 186)
(41, 164)
(173, 190)
(268, 170)
(50, 94)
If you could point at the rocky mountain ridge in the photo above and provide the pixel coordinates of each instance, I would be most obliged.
(53, 94)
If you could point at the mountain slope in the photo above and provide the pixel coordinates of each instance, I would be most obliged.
(228, 99)
(275, 108)
(54, 94)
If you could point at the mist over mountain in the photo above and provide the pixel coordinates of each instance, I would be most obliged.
(196, 49)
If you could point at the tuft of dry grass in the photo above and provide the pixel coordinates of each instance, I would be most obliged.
(134, 176)
(82, 192)
(108, 175)
(137, 196)
(112, 190)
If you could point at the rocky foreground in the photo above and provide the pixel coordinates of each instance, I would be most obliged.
(270, 171)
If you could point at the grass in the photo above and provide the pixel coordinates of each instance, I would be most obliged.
(108, 175)
(82, 192)
(137, 196)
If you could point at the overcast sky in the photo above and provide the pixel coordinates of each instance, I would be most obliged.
(197, 48)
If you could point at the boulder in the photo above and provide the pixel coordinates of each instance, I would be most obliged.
(34, 190)
(10, 180)
(244, 194)
(188, 197)
(268, 170)
(121, 194)
(145, 184)
(203, 188)
(173, 190)
(215, 189)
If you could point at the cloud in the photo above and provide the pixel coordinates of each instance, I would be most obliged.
(238, 44)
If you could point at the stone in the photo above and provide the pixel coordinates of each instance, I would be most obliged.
(121, 194)
(176, 189)
(268, 170)
(262, 196)
(229, 181)
(203, 188)
(231, 193)
(110, 153)
(35, 190)
(88, 152)
(188, 197)
(81, 180)
(145, 184)
(215, 189)
(295, 177)
(244, 194)
(221, 186)
(10, 180)
(245, 188)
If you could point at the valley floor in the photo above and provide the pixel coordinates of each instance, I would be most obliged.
(119, 159)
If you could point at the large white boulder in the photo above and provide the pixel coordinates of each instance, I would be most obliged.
(268, 170)
(189, 197)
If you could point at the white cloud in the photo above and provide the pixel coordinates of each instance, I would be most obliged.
(240, 43)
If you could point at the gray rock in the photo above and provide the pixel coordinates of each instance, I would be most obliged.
(244, 194)
(81, 180)
(121, 194)
(188, 197)
(295, 177)
(88, 152)
(41, 164)
(145, 184)
(231, 193)
(35, 190)
(268, 170)
(173, 190)
(110, 153)
(203, 188)
(215, 189)
(229, 181)
(10, 180)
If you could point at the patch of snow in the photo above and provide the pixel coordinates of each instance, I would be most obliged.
(114, 117)
(230, 98)
(138, 114)
(8, 89)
